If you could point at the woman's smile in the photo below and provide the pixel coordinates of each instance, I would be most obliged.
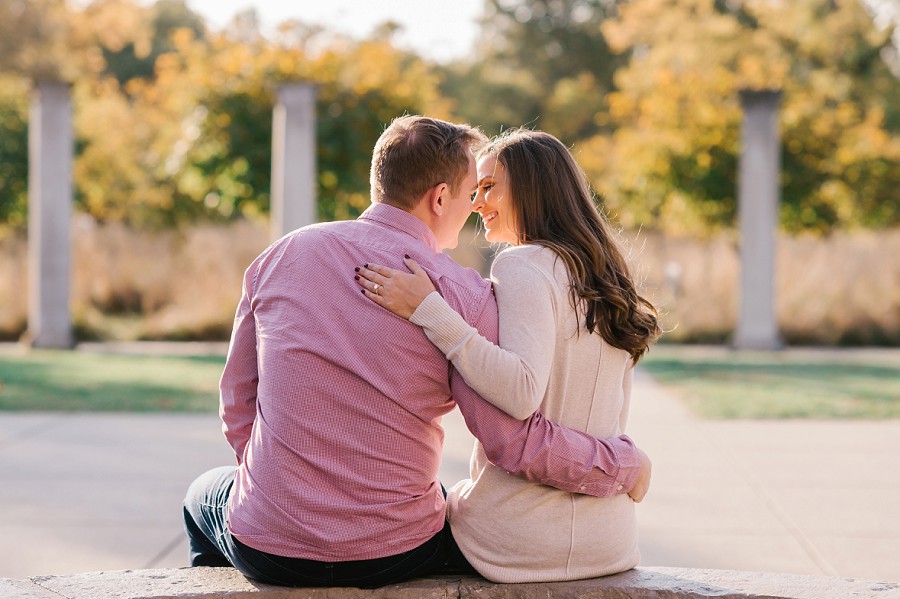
(488, 218)
(494, 203)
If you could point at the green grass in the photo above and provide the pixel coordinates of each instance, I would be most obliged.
(713, 382)
(767, 385)
(61, 380)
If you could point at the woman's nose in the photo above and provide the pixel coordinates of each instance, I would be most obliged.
(478, 201)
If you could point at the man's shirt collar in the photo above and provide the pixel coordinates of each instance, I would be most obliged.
(400, 220)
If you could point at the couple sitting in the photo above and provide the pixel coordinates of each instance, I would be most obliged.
(342, 362)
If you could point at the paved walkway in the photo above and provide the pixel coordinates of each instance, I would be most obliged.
(84, 492)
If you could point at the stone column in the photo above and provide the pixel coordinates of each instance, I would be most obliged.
(293, 159)
(50, 148)
(758, 199)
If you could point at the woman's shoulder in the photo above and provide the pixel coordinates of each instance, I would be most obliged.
(533, 254)
(529, 266)
(533, 257)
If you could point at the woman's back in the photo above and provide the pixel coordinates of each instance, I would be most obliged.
(512, 530)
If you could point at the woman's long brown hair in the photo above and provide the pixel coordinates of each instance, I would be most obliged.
(555, 208)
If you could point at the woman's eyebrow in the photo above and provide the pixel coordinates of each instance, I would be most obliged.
(481, 181)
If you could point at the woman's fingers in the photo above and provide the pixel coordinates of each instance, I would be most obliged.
(369, 275)
(368, 279)
(374, 277)
(424, 284)
(414, 267)
(398, 291)
(373, 296)
(377, 272)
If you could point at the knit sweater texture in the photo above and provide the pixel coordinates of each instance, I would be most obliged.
(509, 529)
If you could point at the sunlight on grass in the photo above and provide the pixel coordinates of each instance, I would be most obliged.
(713, 382)
(61, 380)
(763, 385)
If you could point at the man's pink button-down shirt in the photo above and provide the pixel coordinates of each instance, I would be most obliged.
(333, 404)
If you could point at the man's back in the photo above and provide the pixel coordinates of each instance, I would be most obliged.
(342, 461)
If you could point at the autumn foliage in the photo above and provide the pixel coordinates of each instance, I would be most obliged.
(173, 122)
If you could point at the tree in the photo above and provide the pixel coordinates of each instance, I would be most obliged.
(50, 39)
(35, 38)
(13, 151)
(672, 159)
(544, 63)
(136, 58)
(199, 142)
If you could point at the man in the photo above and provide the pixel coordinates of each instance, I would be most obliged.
(333, 405)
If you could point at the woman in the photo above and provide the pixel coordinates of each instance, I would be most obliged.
(572, 325)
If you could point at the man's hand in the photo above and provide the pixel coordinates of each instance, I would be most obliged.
(643, 481)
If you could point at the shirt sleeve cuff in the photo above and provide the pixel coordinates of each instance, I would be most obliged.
(615, 472)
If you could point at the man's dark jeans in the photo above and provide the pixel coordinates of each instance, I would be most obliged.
(211, 544)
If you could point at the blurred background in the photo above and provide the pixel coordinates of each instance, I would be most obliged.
(777, 461)
(172, 108)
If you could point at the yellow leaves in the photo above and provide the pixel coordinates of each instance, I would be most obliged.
(665, 77)
(328, 179)
(621, 107)
(116, 23)
(704, 160)
(845, 156)
(222, 120)
(237, 61)
(681, 215)
(166, 64)
(192, 183)
(677, 113)
(284, 63)
(760, 72)
(638, 22)
(573, 105)
(839, 196)
(182, 40)
(846, 114)
(36, 40)
(375, 62)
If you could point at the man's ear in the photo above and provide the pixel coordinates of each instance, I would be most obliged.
(438, 198)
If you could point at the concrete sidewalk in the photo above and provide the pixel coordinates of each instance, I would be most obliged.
(802, 497)
(85, 492)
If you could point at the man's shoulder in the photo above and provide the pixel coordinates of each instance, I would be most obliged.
(318, 235)
(326, 228)
(315, 241)
(453, 272)
(464, 289)
(313, 230)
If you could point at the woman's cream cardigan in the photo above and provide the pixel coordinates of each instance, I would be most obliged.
(509, 529)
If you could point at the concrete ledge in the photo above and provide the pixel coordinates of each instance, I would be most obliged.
(641, 583)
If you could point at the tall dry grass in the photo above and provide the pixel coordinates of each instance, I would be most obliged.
(130, 285)
(844, 289)
(840, 290)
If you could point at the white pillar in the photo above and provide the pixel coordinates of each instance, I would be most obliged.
(50, 148)
(293, 159)
(758, 200)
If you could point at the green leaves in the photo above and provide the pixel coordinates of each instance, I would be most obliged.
(173, 123)
(840, 156)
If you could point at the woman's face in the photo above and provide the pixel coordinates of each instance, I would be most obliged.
(494, 202)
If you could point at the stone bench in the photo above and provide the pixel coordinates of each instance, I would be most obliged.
(642, 583)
